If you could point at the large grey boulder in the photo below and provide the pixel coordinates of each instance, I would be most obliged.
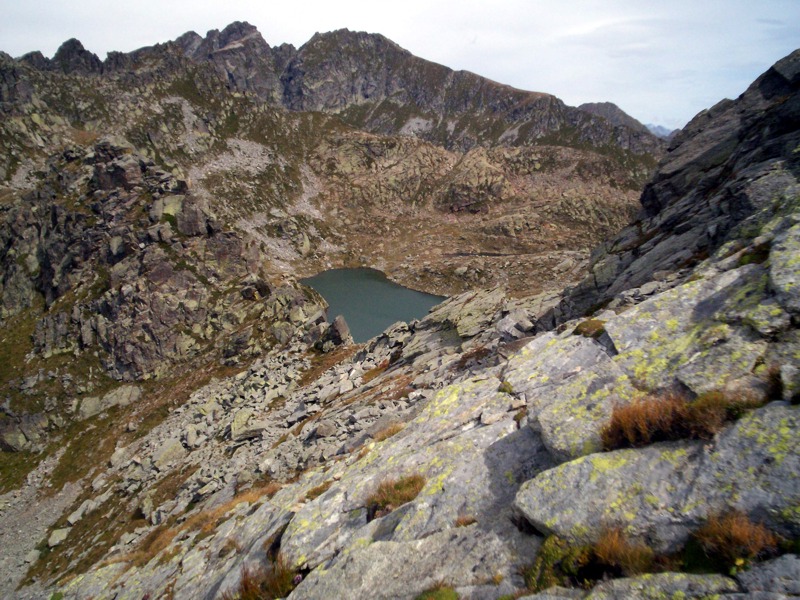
(663, 492)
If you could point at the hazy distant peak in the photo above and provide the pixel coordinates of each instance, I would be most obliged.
(613, 114)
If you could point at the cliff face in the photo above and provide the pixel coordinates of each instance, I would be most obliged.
(191, 430)
(714, 189)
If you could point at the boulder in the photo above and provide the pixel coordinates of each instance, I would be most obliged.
(663, 492)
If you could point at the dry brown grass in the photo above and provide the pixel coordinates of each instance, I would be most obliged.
(205, 522)
(736, 540)
(388, 432)
(465, 520)
(672, 416)
(375, 372)
(473, 356)
(317, 491)
(615, 550)
(276, 580)
(652, 419)
(393, 493)
(591, 328)
(322, 362)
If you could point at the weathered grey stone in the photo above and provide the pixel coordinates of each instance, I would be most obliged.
(167, 453)
(663, 585)
(780, 576)
(571, 385)
(784, 270)
(663, 492)
(89, 407)
(58, 536)
(388, 569)
(122, 396)
(13, 440)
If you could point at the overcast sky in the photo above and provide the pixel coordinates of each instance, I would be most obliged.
(661, 61)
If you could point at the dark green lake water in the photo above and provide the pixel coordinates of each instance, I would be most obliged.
(368, 301)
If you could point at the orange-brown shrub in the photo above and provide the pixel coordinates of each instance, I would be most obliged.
(316, 492)
(274, 581)
(672, 416)
(615, 550)
(652, 419)
(392, 494)
(465, 520)
(388, 432)
(735, 540)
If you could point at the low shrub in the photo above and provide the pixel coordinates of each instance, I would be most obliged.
(591, 328)
(506, 388)
(557, 564)
(653, 419)
(276, 580)
(393, 493)
(388, 432)
(672, 417)
(317, 491)
(465, 520)
(614, 550)
(732, 540)
(562, 564)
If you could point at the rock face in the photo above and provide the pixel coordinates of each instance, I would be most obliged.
(725, 173)
(250, 433)
(376, 85)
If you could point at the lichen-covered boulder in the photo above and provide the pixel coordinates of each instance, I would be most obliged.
(662, 492)
(784, 270)
(472, 467)
(664, 586)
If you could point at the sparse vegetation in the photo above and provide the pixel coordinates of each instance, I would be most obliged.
(317, 491)
(591, 328)
(732, 541)
(388, 432)
(465, 520)
(506, 388)
(671, 416)
(440, 591)
(375, 371)
(276, 580)
(393, 493)
(563, 564)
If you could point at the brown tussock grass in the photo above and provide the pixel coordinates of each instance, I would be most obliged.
(317, 491)
(615, 550)
(393, 493)
(733, 537)
(672, 416)
(465, 520)
(388, 432)
(276, 580)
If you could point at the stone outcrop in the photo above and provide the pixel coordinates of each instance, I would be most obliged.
(725, 174)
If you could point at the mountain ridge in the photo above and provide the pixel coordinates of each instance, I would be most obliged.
(300, 79)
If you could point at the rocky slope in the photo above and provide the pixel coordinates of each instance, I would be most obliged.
(304, 184)
(253, 450)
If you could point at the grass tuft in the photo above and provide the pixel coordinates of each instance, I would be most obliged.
(465, 520)
(317, 491)
(591, 328)
(276, 580)
(671, 416)
(388, 432)
(733, 541)
(440, 591)
(393, 493)
(613, 549)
